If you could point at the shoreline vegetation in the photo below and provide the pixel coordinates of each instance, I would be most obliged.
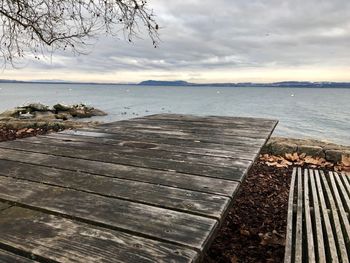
(264, 193)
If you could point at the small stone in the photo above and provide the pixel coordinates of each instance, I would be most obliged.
(310, 150)
(36, 107)
(336, 155)
(283, 148)
(61, 107)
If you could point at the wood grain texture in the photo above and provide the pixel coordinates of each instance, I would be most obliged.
(58, 239)
(171, 137)
(194, 145)
(232, 172)
(182, 129)
(162, 196)
(299, 220)
(151, 189)
(4, 206)
(9, 257)
(211, 119)
(309, 229)
(321, 232)
(133, 152)
(332, 253)
(150, 221)
(166, 178)
(320, 251)
(288, 254)
(152, 146)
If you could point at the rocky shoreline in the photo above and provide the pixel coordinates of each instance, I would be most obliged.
(331, 152)
(35, 119)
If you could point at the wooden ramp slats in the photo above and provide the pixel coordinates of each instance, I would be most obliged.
(171, 137)
(328, 232)
(309, 230)
(336, 221)
(4, 206)
(234, 173)
(319, 242)
(158, 195)
(299, 221)
(194, 145)
(233, 123)
(130, 152)
(210, 119)
(229, 136)
(319, 231)
(49, 237)
(131, 191)
(188, 129)
(339, 198)
(289, 236)
(140, 147)
(165, 224)
(8, 257)
(166, 178)
(343, 181)
(191, 125)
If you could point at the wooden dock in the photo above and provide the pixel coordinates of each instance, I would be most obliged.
(150, 189)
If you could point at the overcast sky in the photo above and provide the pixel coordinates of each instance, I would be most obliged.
(218, 41)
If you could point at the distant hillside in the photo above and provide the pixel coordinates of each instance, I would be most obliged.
(165, 83)
(283, 84)
(10, 81)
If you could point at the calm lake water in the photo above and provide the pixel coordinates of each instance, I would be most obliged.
(303, 112)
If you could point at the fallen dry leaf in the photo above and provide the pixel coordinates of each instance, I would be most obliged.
(234, 259)
(345, 160)
(271, 239)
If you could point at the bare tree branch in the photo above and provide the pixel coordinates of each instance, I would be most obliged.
(31, 26)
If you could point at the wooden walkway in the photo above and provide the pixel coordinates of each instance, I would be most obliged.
(151, 189)
(318, 228)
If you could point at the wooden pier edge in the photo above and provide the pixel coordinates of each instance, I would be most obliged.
(155, 188)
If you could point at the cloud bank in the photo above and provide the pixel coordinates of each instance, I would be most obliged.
(218, 41)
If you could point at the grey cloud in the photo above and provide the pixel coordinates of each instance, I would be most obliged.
(220, 34)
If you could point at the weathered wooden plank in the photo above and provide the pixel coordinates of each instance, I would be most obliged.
(299, 220)
(172, 137)
(320, 252)
(4, 206)
(62, 240)
(209, 205)
(344, 228)
(166, 178)
(208, 122)
(243, 152)
(208, 119)
(214, 135)
(138, 219)
(173, 134)
(336, 220)
(332, 254)
(9, 257)
(189, 128)
(342, 184)
(289, 235)
(195, 142)
(309, 231)
(235, 172)
(135, 152)
(346, 178)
